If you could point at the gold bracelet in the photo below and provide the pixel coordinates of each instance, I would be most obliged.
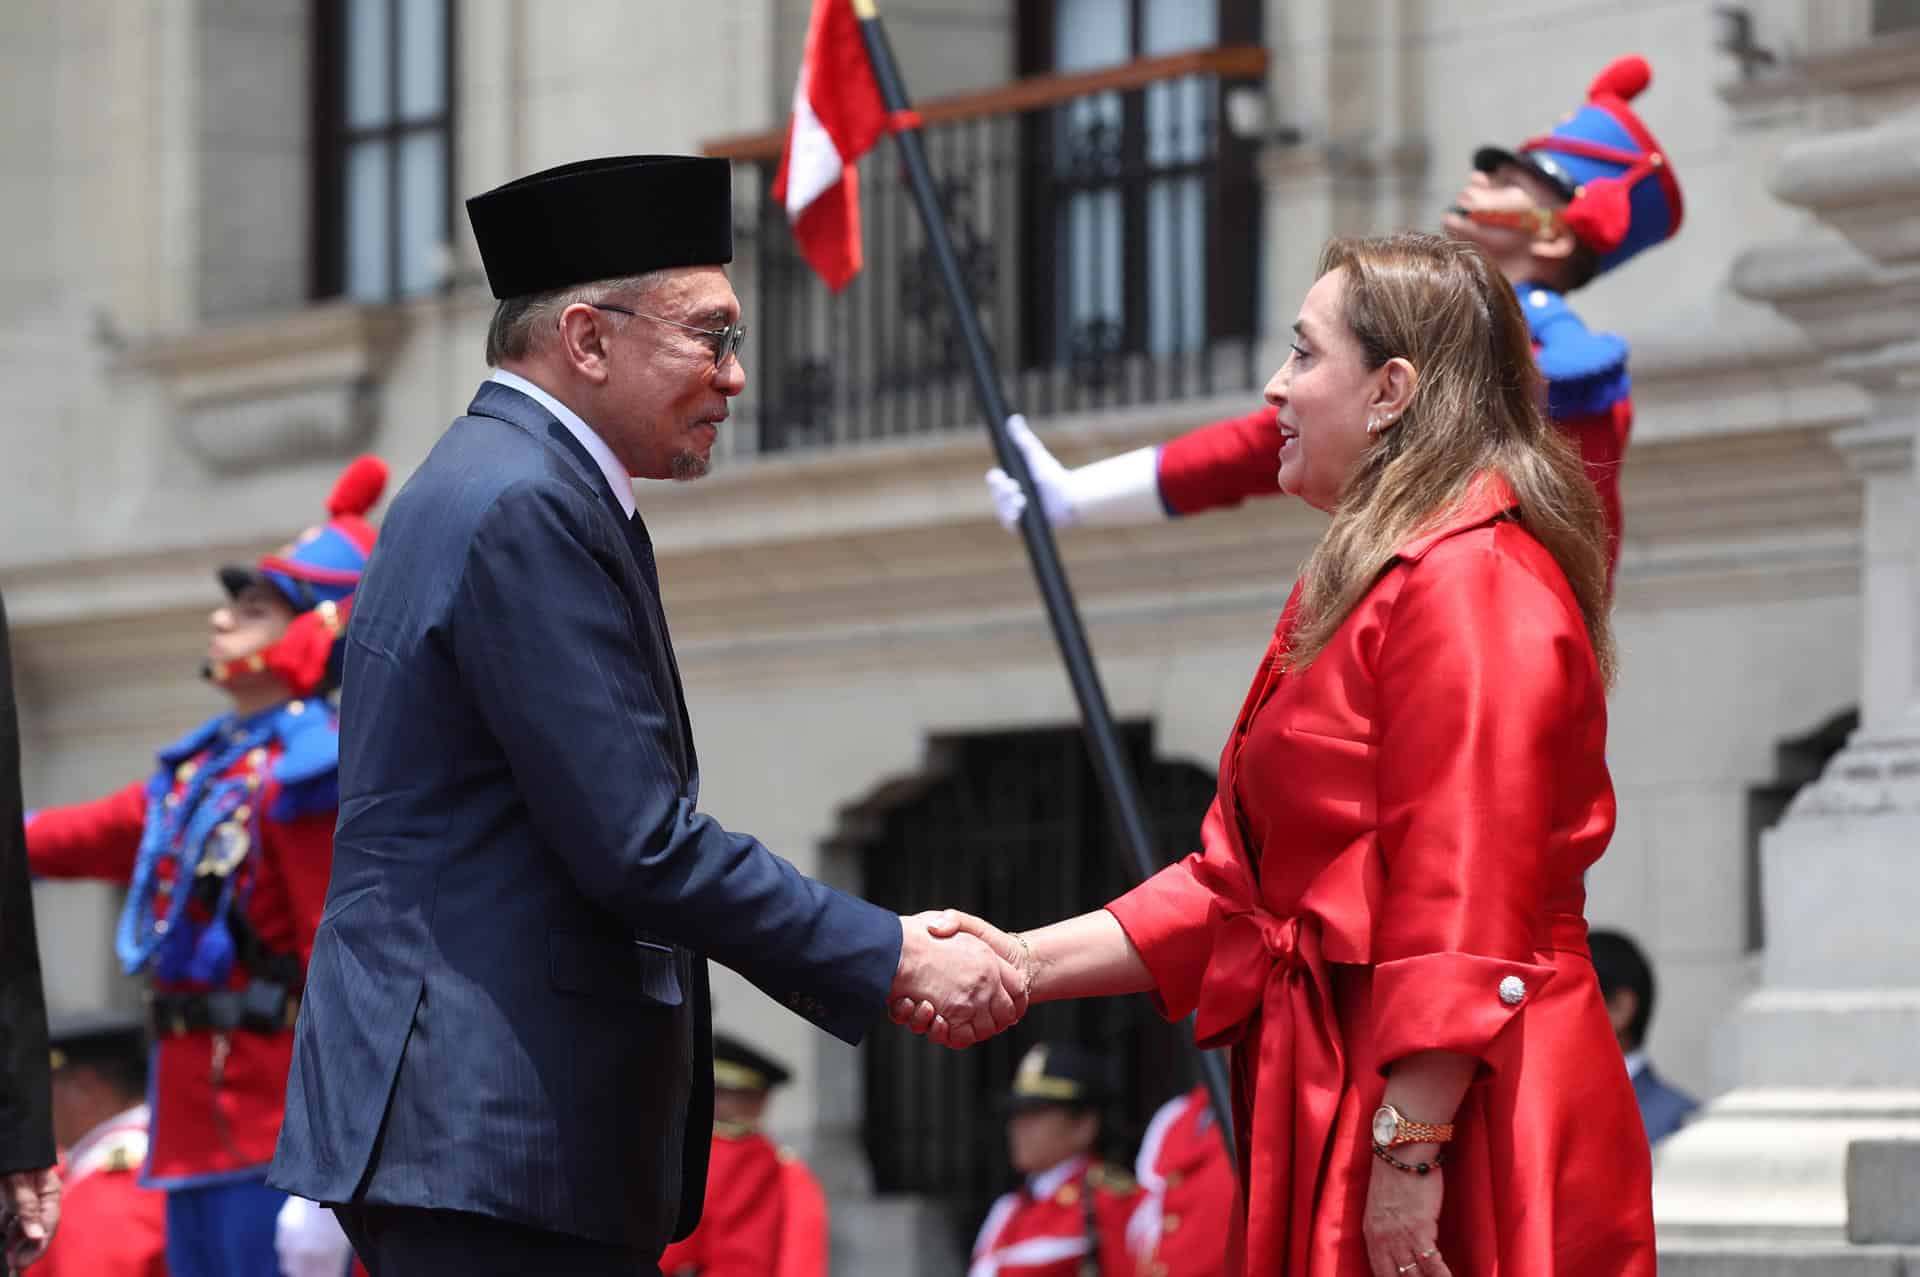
(1026, 991)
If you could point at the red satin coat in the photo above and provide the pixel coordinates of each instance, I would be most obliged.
(1220, 465)
(1192, 1194)
(200, 1134)
(1393, 864)
(764, 1216)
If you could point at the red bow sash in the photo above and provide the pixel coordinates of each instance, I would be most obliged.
(1267, 989)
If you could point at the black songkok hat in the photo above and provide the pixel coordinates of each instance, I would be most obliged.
(604, 219)
(739, 1067)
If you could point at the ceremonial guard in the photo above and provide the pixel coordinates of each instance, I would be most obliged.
(765, 1214)
(110, 1225)
(1071, 1217)
(1181, 1226)
(226, 853)
(1552, 215)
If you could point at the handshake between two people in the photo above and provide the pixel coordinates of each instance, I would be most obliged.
(960, 979)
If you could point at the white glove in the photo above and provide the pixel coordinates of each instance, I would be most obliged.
(1119, 490)
(1049, 476)
(309, 1241)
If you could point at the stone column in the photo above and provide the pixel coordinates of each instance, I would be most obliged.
(1823, 1053)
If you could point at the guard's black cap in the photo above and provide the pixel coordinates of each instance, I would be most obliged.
(1059, 1073)
(603, 219)
(115, 1038)
(1488, 159)
(739, 1067)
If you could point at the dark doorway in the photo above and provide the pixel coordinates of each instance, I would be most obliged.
(1013, 827)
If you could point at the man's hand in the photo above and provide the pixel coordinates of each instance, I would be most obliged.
(30, 1207)
(956, 988)
(1049, 476)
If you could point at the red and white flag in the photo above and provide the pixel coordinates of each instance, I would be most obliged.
(838, 115)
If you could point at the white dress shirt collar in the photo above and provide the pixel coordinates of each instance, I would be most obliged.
(616, 474)
(1049, 1181)
(1636, 1063)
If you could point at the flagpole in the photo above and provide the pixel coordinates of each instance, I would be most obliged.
(1109, 761)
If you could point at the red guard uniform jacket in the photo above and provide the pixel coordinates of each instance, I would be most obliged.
(109, 1225)
(1222, 464)
(201, 1134)
(1042, 1230)
(765, 1215)
(1191, 1195)
(1393, 864)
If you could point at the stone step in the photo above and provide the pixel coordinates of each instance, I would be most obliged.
(1772, 1164)
(1826, 1038)
(1727, 1259)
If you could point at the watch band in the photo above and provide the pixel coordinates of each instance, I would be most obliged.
(1406, 1131)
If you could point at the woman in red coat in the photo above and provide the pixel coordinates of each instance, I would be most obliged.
(1385, 919)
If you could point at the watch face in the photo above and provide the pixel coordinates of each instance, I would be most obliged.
(1384, 1120)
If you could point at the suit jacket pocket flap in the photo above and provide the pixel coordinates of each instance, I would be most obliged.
(631, 970)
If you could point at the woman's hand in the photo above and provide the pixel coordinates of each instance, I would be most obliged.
(1402, 1223)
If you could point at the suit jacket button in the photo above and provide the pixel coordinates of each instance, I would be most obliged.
(1512, 990)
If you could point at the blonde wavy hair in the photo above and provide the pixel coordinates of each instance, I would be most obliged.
(1477, 406)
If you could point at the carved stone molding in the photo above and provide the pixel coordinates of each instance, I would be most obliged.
(1884, 446)
(1840, 297)
(1865, 183)
(1876, 773)
(271, 391)
(1887, 63)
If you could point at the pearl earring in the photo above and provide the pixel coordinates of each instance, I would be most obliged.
(1373, 425)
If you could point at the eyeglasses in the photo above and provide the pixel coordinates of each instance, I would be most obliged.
(724, 342)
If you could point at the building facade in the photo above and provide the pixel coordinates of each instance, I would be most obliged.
(239, 256)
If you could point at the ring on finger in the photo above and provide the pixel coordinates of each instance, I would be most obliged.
(1407, 1268)
(1428, 1253)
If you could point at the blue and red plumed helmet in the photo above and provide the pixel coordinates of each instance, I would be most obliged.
(317, 574)
(1622, 195)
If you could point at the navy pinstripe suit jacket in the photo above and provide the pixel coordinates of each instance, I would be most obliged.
(506, 1011)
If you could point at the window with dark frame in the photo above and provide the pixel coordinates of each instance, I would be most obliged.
(1139, 206)
(383, 147)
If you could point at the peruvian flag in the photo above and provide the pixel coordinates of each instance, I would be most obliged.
(838, 115)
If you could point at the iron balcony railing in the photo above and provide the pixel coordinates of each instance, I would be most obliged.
(1107, 225)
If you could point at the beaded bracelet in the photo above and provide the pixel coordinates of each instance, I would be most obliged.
(1411, 1168)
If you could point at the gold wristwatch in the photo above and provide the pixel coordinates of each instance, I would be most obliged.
(1391, 1129)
